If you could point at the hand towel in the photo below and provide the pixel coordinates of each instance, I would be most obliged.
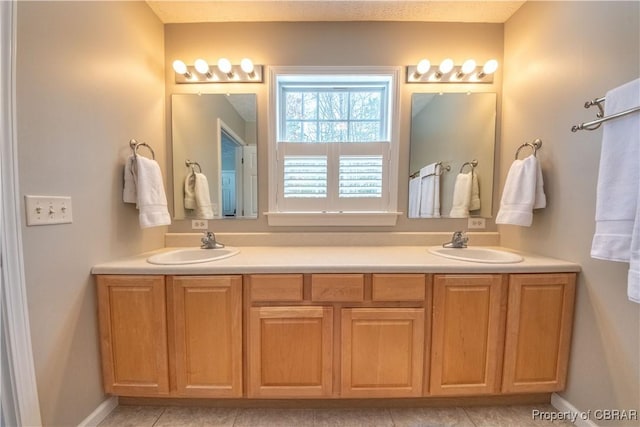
(461, 195)
(190, 191)
(618, 176)
(633, 281)
(152, 200)
(204, 209)
(430, 191)
(523, 191)
(414, 197)
(129, 193)
(474, 203)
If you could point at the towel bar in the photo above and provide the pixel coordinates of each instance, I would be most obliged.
(535, 145)
(135, 145)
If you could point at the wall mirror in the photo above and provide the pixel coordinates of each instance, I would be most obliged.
(451, 130)
(214, 135)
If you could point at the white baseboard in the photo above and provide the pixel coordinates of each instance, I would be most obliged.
(563, 405)
(101, 412)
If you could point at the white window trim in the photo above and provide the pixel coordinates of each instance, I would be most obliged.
(359, 218)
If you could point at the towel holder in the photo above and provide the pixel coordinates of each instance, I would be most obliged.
(473, 163)
(135, 145)
(535, 145)
(443, 169)
(191, 165)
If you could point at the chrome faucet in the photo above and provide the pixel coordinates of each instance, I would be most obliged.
(209, 241)
(458, 240)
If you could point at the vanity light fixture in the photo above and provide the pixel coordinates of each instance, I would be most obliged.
(225, 66)
(448, 72)
(181, 68)
(224, 72)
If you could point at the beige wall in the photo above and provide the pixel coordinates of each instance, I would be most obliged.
(557, 56)
(331, 43)
(89, 78)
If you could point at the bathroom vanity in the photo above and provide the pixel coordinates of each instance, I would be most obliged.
(335, 322)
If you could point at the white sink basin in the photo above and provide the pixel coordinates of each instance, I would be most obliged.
(483, 255)
(191, 255)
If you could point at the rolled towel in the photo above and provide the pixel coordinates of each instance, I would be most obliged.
(461, 196)
(474, 203)
(523, 191)
(152, 200)
(190, 191)
(204, 209)
(430, 191)
(129, 193)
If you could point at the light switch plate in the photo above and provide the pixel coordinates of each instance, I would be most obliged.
(47, 210)
(476, 223)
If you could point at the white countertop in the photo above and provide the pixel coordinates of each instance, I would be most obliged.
(334, 259)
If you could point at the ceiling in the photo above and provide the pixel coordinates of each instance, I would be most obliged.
(185, 11)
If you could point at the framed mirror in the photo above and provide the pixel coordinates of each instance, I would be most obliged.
(214, 140)
(450, 133)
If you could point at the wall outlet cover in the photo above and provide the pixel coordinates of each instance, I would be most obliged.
(476, 223)
(199, 224)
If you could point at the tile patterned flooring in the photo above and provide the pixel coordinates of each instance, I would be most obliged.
(480, 416)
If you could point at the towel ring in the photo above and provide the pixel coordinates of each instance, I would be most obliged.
(535, 145)
(473, 163)
(191, 165)
(135, 145)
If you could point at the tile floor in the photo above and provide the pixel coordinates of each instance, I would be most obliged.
(489, 416)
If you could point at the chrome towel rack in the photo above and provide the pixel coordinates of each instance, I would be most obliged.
(535, 146)
(441, 168)
(192, 165)
(595, 124)
(135, 145)
(473, 163)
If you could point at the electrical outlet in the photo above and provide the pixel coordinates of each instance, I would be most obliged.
(47, 210)
(476, 223)
(199, 224)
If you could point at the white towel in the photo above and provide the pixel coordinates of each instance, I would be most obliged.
(618, 176)
(129, 193)
(152, 200)
(617, 235)
(204, 209)
(190, 191)
(414, 197)
(461, 195)
(474, 203)
(430, 191)
(523, 191)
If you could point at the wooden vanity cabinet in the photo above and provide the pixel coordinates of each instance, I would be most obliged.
(335, 335)
(468, 330)
(205, 335)
(171, 336)
(538, 336)
(133, 335)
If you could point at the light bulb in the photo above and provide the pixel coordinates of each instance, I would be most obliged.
(446, 66)
(180, 68)
(225, 66)
(201, 66)
(247, 65)
(489, 68)
(468, 66)
(423, 66)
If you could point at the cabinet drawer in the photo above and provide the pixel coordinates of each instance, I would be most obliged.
(337, 287)
(398, 287)
(275, 287)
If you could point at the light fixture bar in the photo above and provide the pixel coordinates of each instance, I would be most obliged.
(456, 75)
(236, 75)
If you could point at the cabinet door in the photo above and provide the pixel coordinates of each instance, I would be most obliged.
(290, 351)
(539, 322)
(468, 331)
(382, 352)
(206, 335)
(133, 335)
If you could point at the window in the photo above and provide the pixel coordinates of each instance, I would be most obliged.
(333, 142)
